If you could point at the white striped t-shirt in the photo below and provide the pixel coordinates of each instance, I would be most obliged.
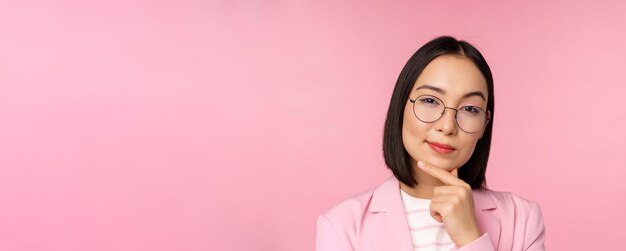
(426, 232)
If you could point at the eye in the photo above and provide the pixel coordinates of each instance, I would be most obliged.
(431, 101)
(471, 109)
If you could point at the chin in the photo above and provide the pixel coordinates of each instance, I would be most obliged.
(443, 164)
(448, 167)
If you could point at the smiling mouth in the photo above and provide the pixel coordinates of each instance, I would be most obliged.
(440, 148)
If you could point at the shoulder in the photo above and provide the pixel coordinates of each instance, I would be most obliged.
(508, 200)
(383, 197)
(350, 209)
(340, 225)
(515, 211)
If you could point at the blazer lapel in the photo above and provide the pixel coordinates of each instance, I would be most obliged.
(389, 227)
(485, 217)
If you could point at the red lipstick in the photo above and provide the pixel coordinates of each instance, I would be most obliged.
(440, 148)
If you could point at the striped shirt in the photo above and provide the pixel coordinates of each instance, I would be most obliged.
(426, 232)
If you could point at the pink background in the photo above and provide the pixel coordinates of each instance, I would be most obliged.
(230, 125)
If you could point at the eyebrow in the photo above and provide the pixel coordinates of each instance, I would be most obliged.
(439, 90)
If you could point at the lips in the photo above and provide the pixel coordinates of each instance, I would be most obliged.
(440, 148)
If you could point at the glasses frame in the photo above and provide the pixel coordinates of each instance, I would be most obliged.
(456, 111)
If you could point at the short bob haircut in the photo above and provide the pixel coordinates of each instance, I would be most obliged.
(396, 157)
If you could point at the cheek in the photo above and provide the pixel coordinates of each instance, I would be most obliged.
(468, 147)
(413, 132)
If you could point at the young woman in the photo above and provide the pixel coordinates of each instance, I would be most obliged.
(436, 143)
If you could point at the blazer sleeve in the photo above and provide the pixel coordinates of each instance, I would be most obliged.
(483, 243)
(535, 235)
(328, 239)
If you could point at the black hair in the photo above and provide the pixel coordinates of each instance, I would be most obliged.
(396, 157)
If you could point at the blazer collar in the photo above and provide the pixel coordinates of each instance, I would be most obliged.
(391, 229)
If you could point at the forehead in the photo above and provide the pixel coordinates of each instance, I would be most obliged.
(455, 74)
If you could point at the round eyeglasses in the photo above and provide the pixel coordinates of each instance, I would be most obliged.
(469, 118)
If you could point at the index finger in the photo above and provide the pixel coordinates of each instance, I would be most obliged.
(446, 177)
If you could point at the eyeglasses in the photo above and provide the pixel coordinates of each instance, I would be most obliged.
(469, 118)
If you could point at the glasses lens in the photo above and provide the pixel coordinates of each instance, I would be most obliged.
(471, 118)
(428, 108)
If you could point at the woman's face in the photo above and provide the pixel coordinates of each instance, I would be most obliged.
(456, 81)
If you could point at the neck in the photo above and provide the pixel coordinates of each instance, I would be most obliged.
(425, 185)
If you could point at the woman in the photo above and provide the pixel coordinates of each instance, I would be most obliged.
(436, 143)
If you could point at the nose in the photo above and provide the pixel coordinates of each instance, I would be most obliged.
(447, 123)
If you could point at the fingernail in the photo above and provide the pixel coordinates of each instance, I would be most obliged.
(420, 164)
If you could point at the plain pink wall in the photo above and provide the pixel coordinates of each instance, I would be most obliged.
(230, 125)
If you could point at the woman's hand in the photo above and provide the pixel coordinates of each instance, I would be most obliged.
(453, 204)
